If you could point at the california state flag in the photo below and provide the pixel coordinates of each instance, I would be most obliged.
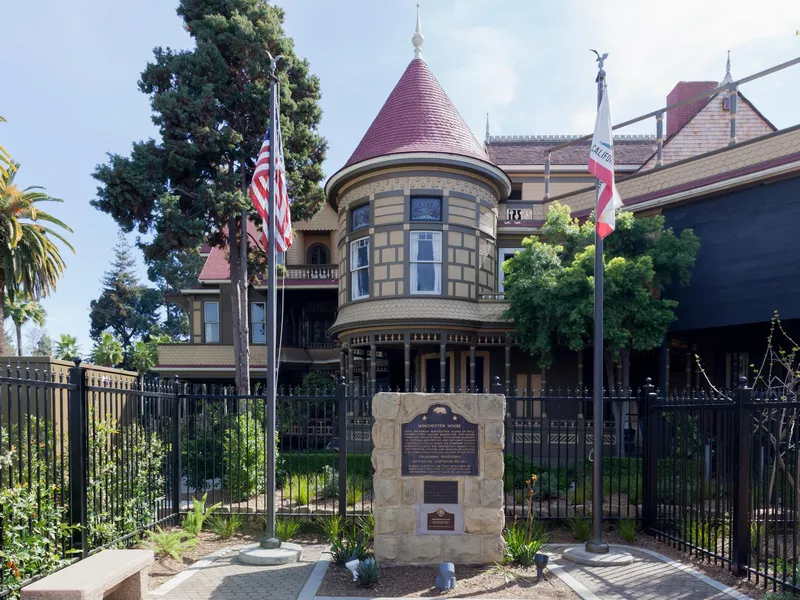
(601, 165)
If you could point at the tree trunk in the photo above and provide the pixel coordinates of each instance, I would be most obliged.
(18, 328)
(236, 306)
(2, 312)
(244, 321)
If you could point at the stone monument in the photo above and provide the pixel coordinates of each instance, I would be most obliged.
(438, 481)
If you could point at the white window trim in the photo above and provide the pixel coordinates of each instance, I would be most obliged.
(354, 246)
(437, 261)
(501, 275)
(207, 322)
(252, 340)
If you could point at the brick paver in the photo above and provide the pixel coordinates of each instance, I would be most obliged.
(227, 579)
(648, 578)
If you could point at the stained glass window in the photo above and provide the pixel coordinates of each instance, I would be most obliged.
(426, 209)
(361, 217)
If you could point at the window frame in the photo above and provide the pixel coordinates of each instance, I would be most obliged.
(501, 275)
(355, 245)
(353, 210)
(425, 197)
(250, 316)
(206, 322)
(413, 262)
(317, 246)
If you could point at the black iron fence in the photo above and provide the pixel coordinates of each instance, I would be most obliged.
(90, 461)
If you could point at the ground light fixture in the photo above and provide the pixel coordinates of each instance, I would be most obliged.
(446, 579)
(540, 560)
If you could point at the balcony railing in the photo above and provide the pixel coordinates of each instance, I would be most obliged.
(312, 272)
(519, 214)
(495, 296)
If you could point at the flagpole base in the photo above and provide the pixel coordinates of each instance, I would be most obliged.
(596, 547)
(581, 556)
(269, 543)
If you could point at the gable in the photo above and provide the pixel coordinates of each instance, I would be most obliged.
(710, 129)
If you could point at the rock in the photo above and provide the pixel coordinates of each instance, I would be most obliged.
(420, 549)
(494, 549)
(396, 521)
(410, 495)
(463, 549)
(493, 465)
(385, 548)
(384, 463)
(494, 435)
(484, 521)
(386, 405)
(492, 493)
(472, 492)
(492, 407)
(386, 493)
(383, 434)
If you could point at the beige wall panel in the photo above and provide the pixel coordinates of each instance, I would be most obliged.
(454, 238)
(533, 190)
(461, 203)
(296, 254)
(454, 272)
(464, 222)
(396, 238)
(381, 273)
(396, 271)
(462, 290)
(469, 241)
(333, 240)
(379, 240)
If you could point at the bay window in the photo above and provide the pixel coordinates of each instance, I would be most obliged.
(426, 262)
(359, 268)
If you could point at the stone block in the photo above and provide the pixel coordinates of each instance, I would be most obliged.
(385, 491)
(414, 404)
(494, 435)
(493, 464)
(492, 493)
(396, 521)
(493, 549)
(472, 492)
(386, 406)
(492, 407)
(484, 521)
(420, 549)
(386, 547)
(465, 405)
(384, 463)
(383, 434)
(463, 549)
(410, 491)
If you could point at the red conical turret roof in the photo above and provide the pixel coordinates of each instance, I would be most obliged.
(418, 117)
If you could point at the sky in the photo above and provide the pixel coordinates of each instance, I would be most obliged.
(70, 90)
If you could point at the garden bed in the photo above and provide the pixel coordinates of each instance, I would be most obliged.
(418, 582)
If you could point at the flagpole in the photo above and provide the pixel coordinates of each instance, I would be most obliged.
(269, 540)
(596, 544)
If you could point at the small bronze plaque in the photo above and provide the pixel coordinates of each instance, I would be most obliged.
(441, 520)
(439, 442)
(441, 492)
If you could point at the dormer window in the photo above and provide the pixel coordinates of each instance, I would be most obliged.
(426, 208)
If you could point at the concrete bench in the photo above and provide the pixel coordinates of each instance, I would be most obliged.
(114, 574)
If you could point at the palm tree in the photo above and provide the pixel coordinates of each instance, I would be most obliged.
(21, 311)
(107, 351)
(5, 160)
(30, 262)
(67, 347)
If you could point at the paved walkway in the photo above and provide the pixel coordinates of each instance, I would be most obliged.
(648, 578)
(227, 579)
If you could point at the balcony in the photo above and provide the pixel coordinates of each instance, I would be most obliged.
(312, 272)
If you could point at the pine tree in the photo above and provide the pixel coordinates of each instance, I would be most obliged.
(211, 104)
(126, 308)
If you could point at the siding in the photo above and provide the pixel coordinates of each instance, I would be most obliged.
(747, 265)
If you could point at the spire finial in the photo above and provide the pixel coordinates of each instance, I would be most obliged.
(487, 127)
(417, 39)
(727, 78)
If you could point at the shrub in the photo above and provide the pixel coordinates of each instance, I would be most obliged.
(366, 527)
(547, 486)
(245, 454)
(581, 493)
(328, 482)
(628, 530)
(172, 543)
(310, 463)
(194, 519)
(581, 529)
(225, 526)
(348, 548)
(354, 491)
(367, 572)
(703, 534)
(522, 545)
(331, 526)
(298, 489)
(286, 529)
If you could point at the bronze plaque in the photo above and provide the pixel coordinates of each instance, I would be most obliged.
(441, 520)
(441, 492)
(440, 442)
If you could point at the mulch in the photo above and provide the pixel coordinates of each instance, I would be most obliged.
(418, 582)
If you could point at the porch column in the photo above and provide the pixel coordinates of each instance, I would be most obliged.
(373, 367)
(350, 369)
(508, 365)
(472, 369)
(342, 367)
(443, 366)
(407, 363)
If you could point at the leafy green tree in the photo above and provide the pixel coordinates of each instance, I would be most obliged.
(21, 311)
(126, 308)
(144, 355)
(550, 287)
(107, 351)
(210, 104)
(44, 346)
(30, 261)
(67, 347)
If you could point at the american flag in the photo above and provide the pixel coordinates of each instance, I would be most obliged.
(259, 193)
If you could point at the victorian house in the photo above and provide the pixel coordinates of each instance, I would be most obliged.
(397, 281)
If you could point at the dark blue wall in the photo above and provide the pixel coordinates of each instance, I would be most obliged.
(748, 265)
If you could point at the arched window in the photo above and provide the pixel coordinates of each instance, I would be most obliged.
(318, 255)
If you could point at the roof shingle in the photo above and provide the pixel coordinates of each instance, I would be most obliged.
(534, 151)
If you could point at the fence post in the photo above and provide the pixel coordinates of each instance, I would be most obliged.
(78, 445)
(742, 443)
(176, 450)
(342, 398)
(649, 418)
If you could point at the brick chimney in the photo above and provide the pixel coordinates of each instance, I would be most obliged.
(678, 117)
